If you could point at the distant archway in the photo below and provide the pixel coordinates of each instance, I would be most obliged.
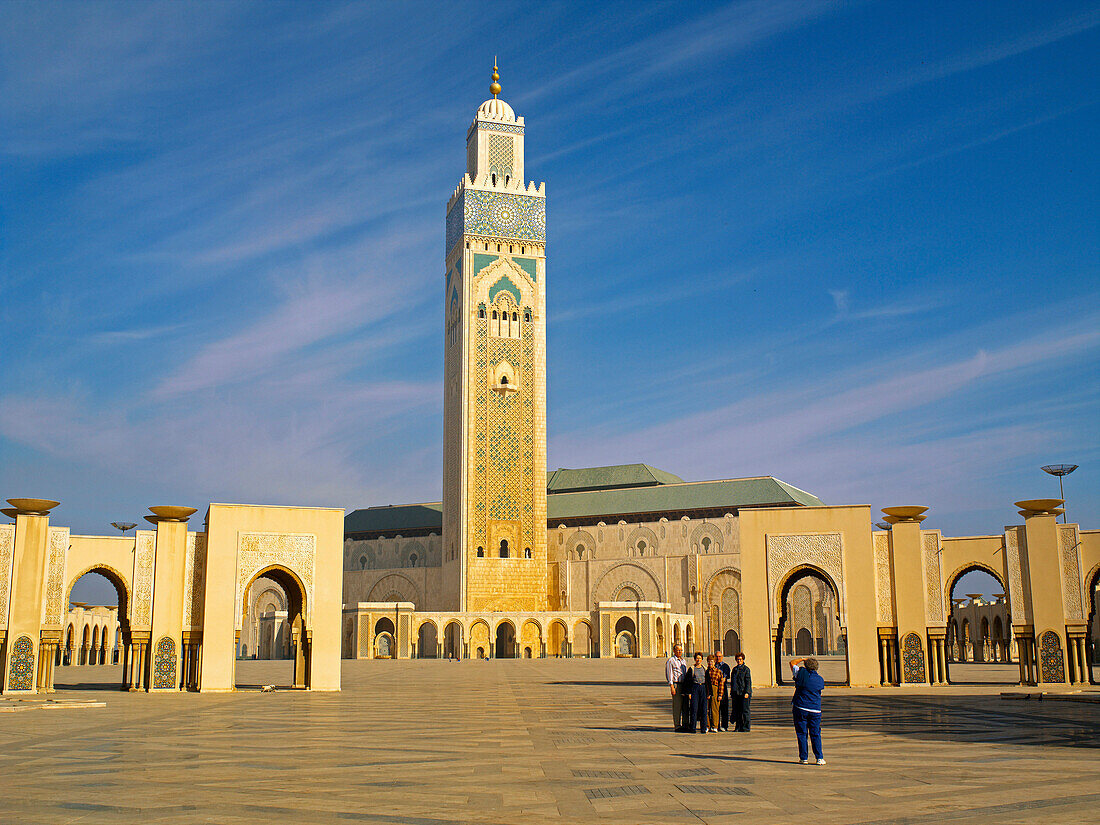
(985, 653)
(731, 645)
(452, 640)
(506, 640)
(582, 639)
(299, 634)
(427, 640)
(80, 651)
(832, 667)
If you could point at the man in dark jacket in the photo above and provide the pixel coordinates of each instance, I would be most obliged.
(741, 693)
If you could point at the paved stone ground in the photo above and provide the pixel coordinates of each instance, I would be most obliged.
(538, 741)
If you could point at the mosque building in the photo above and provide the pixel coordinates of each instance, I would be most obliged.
(620, 560)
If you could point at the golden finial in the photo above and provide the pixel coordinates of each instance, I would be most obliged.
(494, 87)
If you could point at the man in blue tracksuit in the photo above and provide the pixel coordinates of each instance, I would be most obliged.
(806, 705)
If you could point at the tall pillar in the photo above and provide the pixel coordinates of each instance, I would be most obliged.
(1051, 590)
(911, 613)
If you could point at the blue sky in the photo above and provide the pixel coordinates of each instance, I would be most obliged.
(851, 245)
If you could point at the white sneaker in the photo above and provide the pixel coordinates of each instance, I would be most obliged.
(803, 762)
(821, 761)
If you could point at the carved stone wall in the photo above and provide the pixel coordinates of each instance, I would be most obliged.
(194, 580)
(297, 553)
(787, 552)
(144, 555)
(933, 590)
(1016, 598)
(53, 605)
(1071, 573)
(7, 551)
(884, 579)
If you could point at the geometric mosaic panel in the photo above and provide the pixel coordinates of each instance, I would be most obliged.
(912, 659)
(1051, 664)
(164, 664)
(499, 214)
(21, 675)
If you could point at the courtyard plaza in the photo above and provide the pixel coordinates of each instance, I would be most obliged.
(570, 740)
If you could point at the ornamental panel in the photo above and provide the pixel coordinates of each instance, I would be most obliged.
(164, 664)
(144, 555)
(1016, 600)
(504, 214)
(1051, 664)
(884, 591)
(933, 599)
(788, 552)
(295, 552)
(1071, 573)
(912, 659)
(194, 580)
(21, 665)
(53, 605)
(7, 551)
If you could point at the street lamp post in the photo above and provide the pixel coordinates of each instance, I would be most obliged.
(123, 526)
(1060, 470)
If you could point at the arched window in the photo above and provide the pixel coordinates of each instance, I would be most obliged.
(641, 548)
(481, 552)
(362, 562)
(494, 314)
(527, 552)
(527, 317)
(481, 312)
(515, 316)
(504, 379)
(706, 544)
(504, 548)
(412, 560)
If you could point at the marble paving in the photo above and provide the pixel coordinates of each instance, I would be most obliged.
(432, 742)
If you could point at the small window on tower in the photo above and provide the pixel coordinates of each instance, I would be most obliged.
(527, 552)
(504, 548)
(481, 313)
(481, 552)
(494, 314)
(504, 379)
(515, 316)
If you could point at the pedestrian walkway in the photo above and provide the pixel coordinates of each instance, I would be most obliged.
(529, 742)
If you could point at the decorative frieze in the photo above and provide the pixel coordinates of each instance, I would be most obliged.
(7, 551)
(933, 601)
(1071, 572)
(884, 579)
(296, 552)
(194, 580)
(144, 556)
(53, 605)
(788, 552)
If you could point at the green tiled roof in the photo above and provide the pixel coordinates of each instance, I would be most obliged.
(395, 518)
(605, 478)
(727, 495)
(593, 505)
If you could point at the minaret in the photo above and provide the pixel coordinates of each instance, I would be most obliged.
(494, 410)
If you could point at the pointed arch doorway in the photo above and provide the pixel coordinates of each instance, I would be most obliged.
(295, 673)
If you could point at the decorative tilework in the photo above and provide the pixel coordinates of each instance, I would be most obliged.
(481, 260)
(164, 664)
(501, 155)
(528, 265)
(21, 665)
(454, 221)
(487, 125)
(912, 659)
(1051, 664)
(505, 215)
(504, 284)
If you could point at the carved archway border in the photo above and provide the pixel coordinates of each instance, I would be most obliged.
(620, 566)
(713, 576)
(378, 585)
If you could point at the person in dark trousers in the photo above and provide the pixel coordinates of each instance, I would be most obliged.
(741, 692)
(697, 675)
(675, 672)
(724, 704)
(806, 705)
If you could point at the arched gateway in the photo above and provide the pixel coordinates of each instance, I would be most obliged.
(182, 595)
